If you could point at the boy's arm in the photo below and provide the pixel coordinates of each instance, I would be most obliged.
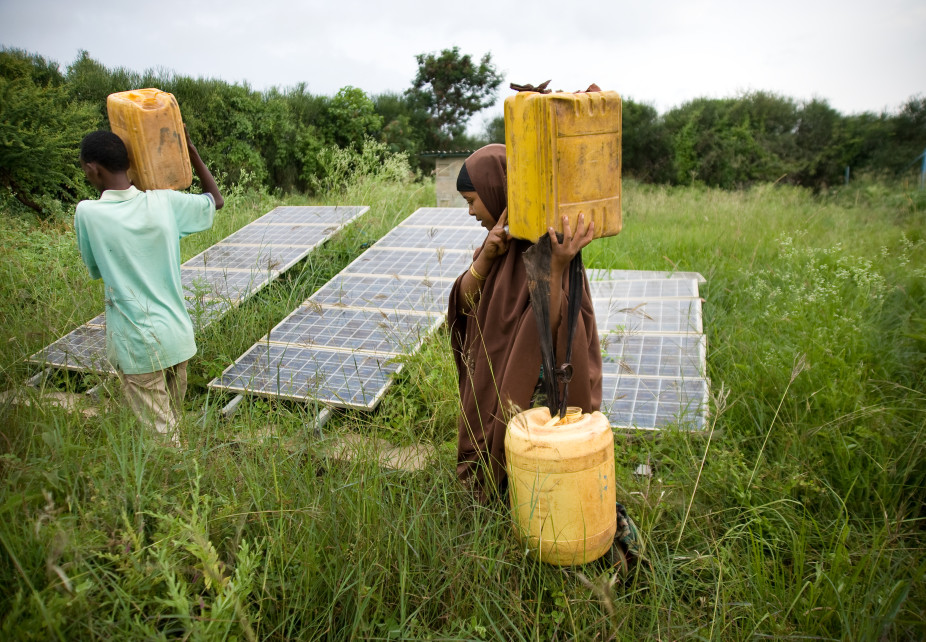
(83, 245)
(205, 176)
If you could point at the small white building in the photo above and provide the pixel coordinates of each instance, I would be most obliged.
(447, 168)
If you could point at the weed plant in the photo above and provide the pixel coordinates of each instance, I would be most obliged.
(797, 514)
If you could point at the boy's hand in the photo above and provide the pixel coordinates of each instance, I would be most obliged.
(189, 141)
(497, 241)
(205, 176)
(564, 252)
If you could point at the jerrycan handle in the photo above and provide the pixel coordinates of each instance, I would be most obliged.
(570, 416)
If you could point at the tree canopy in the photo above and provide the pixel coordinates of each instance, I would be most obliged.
(451, 87)
(279, 139)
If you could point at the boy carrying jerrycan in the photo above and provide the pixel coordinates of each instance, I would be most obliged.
(131, 239)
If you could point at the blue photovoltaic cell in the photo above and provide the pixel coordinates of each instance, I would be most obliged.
(205, 311)
(349, 379)
(259, 258)
(332, 215)
(650, 289)
(221, 284)
(352, 329)
(82, 349)
(620, 275)
(434, 237)
(678, 356)
(654, 403)
(305, 236)
(441, 217)
(655, 315)
(385, 293)
(435, 264)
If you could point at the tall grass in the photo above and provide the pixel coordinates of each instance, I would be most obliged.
(798, 514)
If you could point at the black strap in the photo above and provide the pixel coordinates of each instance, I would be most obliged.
(576, 271)
(537, 261)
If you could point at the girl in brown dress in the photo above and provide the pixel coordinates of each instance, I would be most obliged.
(494, 335)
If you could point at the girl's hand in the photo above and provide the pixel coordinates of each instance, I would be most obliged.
(564, 252)
(496, 243)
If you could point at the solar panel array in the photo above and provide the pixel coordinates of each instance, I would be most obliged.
(340, 346)
(219, 278)
(653, 348)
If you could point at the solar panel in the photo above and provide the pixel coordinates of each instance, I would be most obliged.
(654, 403)
(654, 355)
(381, 305)
(280, 235)
(222, 276)
(82, 349)
(333, 215)
(353, 329)
(347, 379)
(648, 289)
(656, 315)
(222, 284)
(261, 258)
(440, 217)
(649, 324)
(204, 311)
(431, 263)
(387, 293)
(449, 238)
(653, 349)
(615, 275)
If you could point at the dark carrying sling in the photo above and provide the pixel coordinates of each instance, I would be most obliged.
(537, 261)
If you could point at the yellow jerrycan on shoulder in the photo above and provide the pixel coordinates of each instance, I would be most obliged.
(564, 157)
(561, 484)
(148, 122)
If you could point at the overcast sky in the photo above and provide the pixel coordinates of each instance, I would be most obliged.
(858, 55)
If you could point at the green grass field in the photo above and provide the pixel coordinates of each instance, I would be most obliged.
(798, 514)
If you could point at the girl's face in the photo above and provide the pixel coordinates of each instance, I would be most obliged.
(477, 209)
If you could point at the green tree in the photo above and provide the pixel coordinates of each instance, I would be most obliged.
(495, 130)
(646, 149)
(351, 118)
(404, 123)
(451, 87)
(90, 82)
(40, 133)
(820, 160)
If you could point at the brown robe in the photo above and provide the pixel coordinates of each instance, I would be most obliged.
(497, 352)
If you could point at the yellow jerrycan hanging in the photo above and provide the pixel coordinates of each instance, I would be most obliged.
(564, 157)
(148, 122)
(561, 484)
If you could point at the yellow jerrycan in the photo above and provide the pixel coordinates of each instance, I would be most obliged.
(561, 484)
(564, 157)
(148, 122)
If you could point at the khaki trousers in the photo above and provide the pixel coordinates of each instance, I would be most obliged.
(156, 398)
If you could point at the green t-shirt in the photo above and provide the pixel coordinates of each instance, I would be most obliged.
(131, 239)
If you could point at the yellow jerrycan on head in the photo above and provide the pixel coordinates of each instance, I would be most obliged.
(564, 157)
(148, 122)
(561, 484)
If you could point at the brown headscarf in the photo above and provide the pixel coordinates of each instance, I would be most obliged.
(497, 348)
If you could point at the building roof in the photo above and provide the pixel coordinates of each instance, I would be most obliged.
(447, 153)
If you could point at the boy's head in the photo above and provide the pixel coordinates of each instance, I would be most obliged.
(106, 149)
(103, 156)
